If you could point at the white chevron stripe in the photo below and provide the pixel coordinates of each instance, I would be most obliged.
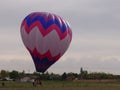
(50, 42)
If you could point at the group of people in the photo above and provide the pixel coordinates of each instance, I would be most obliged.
(36, 82)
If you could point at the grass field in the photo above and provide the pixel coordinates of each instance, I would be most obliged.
(63, 85)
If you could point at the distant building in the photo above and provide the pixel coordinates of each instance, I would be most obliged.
(6, 79)
(27, 79)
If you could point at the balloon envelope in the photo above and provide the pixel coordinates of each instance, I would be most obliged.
(46, 36)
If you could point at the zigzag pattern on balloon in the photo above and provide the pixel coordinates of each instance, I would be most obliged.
(37, 49)
(42, 56)
(47, 37)
(47, 21)
(62, 29)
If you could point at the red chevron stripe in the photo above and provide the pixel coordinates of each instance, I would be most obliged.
(46, 31)
(45, 55)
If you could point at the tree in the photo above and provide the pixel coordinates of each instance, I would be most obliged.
(14, 74)
(83, 74)
(81, 70)
(22, 74)
(64, 76)
(4, 74)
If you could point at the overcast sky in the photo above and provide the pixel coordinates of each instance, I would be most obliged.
(96, 34)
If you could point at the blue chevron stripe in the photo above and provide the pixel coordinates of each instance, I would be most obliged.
(45, 24)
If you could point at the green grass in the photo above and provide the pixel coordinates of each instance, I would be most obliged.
(62, 85)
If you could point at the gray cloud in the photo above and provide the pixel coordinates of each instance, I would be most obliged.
(95, 25)
(19, 65)
(92, 64)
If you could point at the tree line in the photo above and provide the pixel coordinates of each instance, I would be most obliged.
(83, 75)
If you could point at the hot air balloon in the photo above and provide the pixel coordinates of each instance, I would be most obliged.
(46, 36)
